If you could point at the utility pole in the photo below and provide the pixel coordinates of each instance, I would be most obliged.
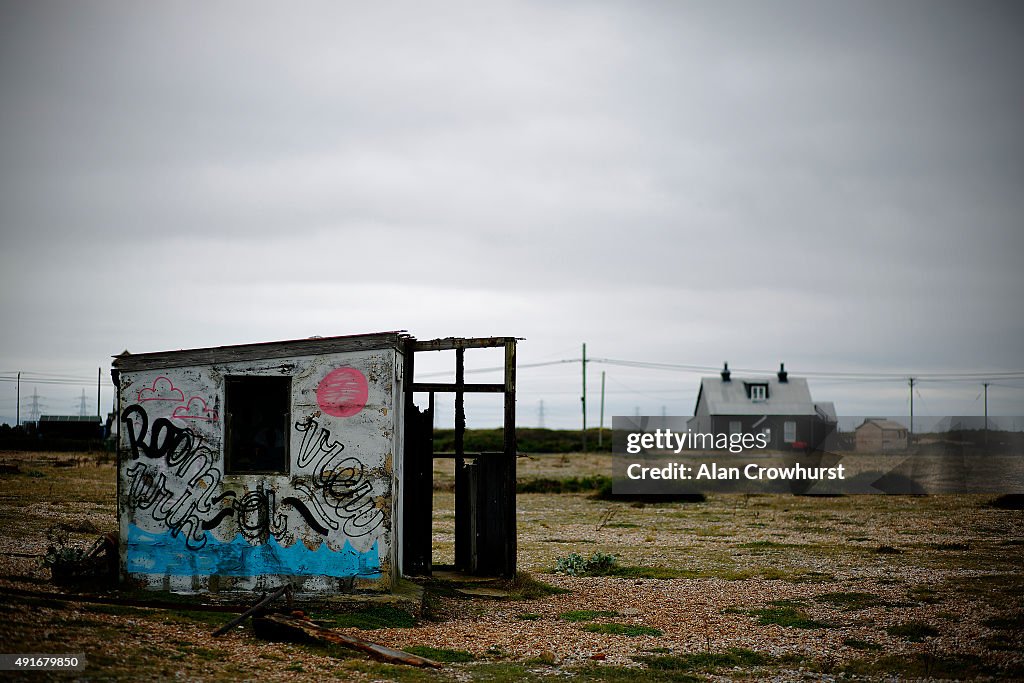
(600, 429)
(985, 384)
(17, 420)
(540, 415)
(911, 406)
(583, 399)
(99, 376)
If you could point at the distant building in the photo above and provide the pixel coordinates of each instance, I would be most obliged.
(779, 407)
(70, 426)
(877, 435)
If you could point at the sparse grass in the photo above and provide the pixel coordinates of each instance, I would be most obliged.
(615, 629)
(859, 644)
(1003, 642)
(727, 573)
(997, 589)
(788, 602)
(1009, 501)
(1013, 622)
(921, 665)
(632, 674)
(525, 587)
(528, 616)
(950, 546)
(912, 631)
(768, 545)
(388, 672)
(567, 485)
(373, 617)
(214, 619)
(924, 594)
(734, 657)
(789, 617)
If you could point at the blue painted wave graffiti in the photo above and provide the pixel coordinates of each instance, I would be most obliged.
(150, 553)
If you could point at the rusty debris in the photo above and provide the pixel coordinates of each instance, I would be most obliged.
(302, 629)
(69, 565)
(255, 609)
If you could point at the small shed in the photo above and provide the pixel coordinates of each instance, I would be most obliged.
(305, 461)
(878, 435)
(779, 406)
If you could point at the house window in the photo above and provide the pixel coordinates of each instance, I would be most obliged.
(758, 392)
(256, 427)
(789, 431)
(735, 426)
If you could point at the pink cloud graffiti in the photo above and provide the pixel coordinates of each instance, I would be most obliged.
(162, 389)
(203, 413)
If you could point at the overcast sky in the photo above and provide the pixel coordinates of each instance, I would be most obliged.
(839, 186)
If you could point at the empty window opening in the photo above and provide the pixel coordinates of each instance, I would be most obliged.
(256, 428)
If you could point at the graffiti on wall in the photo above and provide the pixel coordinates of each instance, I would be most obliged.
(175, 491)
(343, 392)
(340, 491)
(163, 389)
(177, 494)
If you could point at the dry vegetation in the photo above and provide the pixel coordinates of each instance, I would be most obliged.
(737, 587)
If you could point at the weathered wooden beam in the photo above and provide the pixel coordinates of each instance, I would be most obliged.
(452, 343)
(252, 610)
(508, 487)
(281, 627)
(460, 406)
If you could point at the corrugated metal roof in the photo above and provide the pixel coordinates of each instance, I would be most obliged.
(730, 398)
(69, 418)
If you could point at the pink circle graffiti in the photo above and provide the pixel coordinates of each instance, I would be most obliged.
(343, 392)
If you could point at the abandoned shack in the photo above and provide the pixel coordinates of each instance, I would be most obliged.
(304, 462)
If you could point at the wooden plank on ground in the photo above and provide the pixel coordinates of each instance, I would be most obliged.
(282, 627)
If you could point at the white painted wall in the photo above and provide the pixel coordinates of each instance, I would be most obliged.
(331, 521)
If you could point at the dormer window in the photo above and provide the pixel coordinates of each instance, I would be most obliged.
(757, 392)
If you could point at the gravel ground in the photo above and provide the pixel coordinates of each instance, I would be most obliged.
(952, 564)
